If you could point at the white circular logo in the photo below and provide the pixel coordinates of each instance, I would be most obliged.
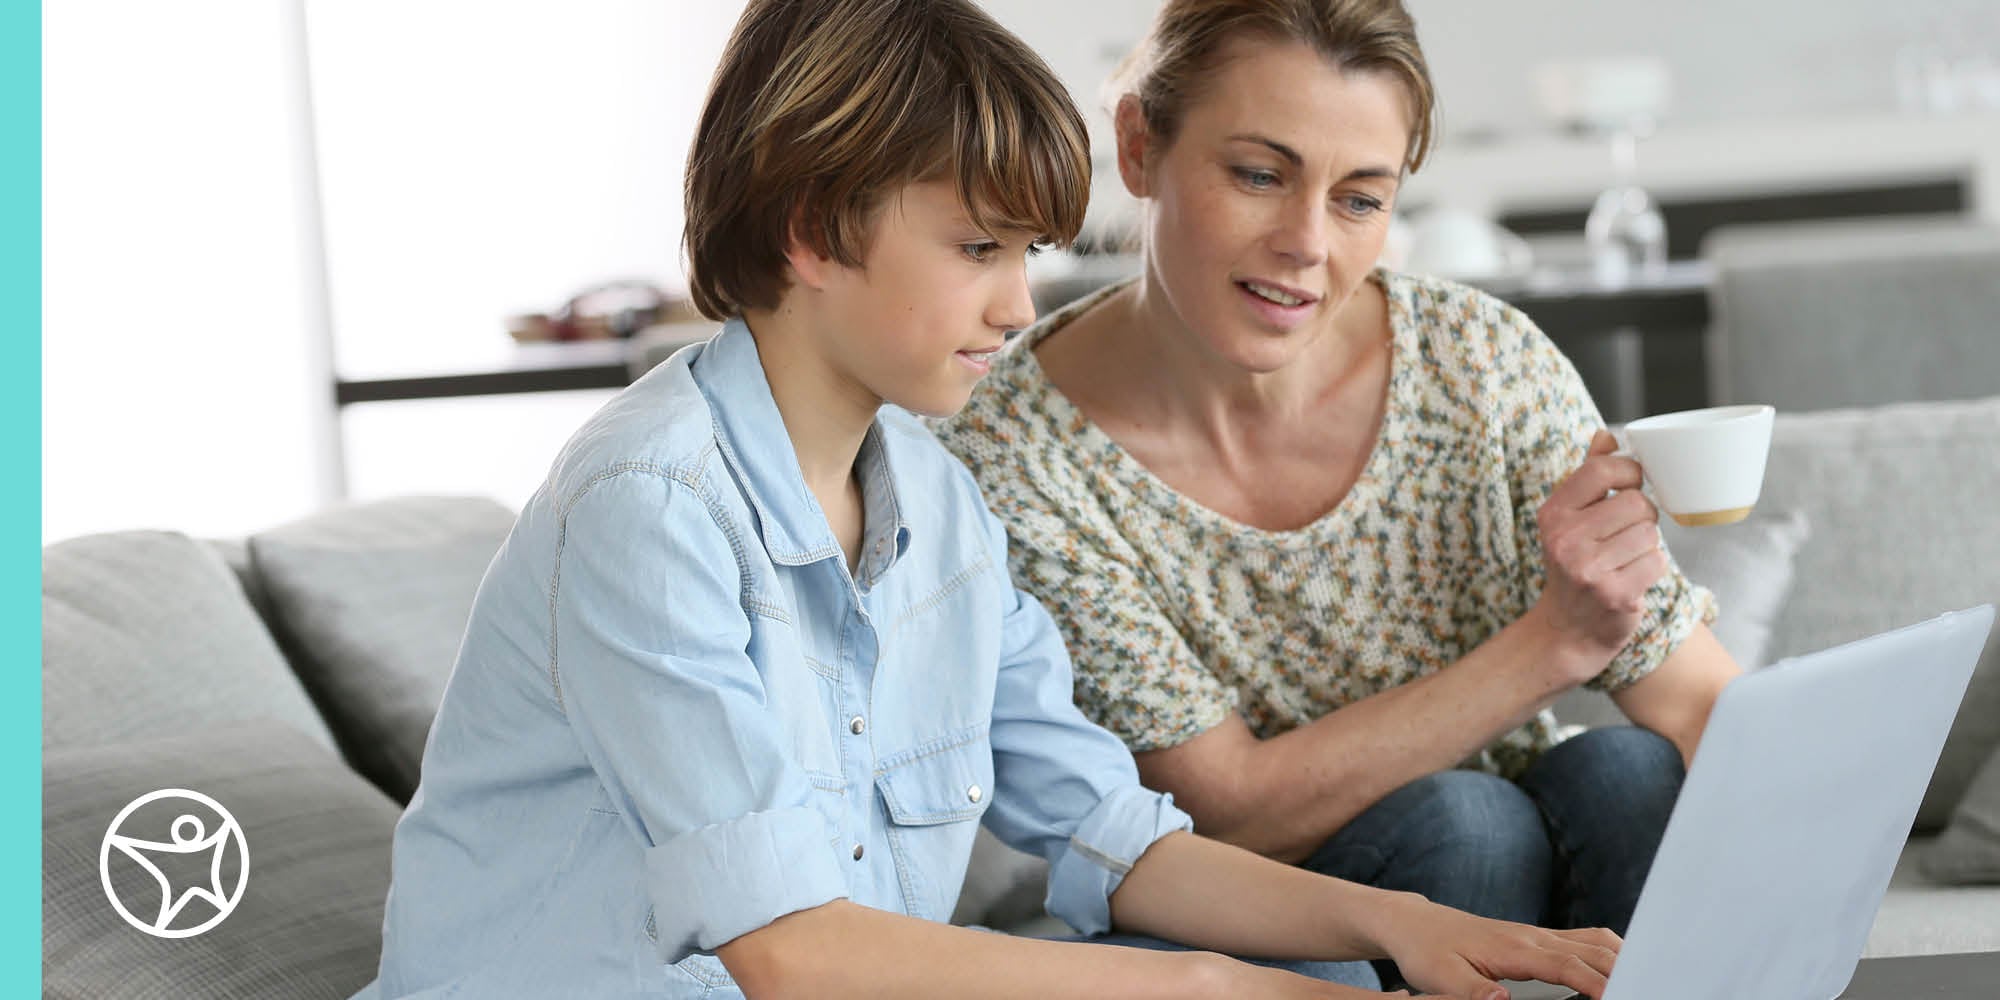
(189, 837)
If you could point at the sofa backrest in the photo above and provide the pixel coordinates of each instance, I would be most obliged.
(148, 634)
(1818, 315)
(370, 601)
(1904, 507)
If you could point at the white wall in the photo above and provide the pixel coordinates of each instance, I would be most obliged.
(183, 380)
(485, 159)
(1729, 58)
(478, 159)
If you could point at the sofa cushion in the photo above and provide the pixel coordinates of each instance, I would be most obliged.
(308, 922)
(1749, 566)
(372, 601)
(1919, 916)
(1968, 851)
(1904, 527)
(144, 631)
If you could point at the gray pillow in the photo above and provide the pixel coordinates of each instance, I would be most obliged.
(1748, 565)
(144, 631)
(1901, 503)
(372, 601)
(309, 920)
(1968, 851)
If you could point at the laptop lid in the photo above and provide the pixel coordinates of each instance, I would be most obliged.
(1792, 816)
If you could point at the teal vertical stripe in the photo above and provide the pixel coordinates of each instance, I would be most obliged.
(20, 504)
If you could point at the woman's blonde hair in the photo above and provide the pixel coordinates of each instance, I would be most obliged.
(821, 109)
(1169, 67)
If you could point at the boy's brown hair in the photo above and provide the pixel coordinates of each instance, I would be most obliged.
(822, 108)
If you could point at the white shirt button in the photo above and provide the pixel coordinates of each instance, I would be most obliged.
(858, 851)
(974, 794)
(857, 725)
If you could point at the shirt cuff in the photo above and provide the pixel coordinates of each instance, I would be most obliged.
(1104, 847)
(712, 885)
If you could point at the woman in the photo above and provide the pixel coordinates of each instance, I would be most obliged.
(1318, 534)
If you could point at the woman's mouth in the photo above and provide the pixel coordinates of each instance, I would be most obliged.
(1278, 304)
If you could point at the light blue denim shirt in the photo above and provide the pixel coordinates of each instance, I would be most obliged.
(676, 717)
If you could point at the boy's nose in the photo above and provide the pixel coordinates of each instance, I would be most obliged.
(1015, 307)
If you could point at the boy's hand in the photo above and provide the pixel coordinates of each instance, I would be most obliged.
(1459, 955)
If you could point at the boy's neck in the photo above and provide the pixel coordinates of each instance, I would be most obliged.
(826, 412)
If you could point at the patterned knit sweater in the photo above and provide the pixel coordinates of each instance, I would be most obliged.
(1177, 615)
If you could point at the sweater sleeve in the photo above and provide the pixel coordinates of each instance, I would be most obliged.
(1548, 419)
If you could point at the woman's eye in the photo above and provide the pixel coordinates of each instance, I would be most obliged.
(1361, 204)
(979, 253)
(1255, 178)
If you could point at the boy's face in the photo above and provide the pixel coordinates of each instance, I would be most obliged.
(917, 325)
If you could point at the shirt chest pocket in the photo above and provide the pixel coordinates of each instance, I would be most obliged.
(934, 799)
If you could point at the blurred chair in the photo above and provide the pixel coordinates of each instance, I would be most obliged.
(1819, 315)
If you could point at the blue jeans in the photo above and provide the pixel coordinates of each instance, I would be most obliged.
(1568, 846)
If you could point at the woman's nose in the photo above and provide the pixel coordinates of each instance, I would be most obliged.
(1301, 232)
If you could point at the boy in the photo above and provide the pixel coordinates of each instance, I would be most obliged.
(749, 670)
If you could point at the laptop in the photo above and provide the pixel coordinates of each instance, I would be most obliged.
(1792, 816)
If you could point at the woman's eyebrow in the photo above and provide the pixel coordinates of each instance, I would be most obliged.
(1292, 156)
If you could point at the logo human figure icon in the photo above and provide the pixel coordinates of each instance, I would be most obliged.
(189, 836)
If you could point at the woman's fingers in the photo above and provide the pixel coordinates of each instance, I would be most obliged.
(1598, 475)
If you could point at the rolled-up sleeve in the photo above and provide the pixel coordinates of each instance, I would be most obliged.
(1068, 789)
(650, 665)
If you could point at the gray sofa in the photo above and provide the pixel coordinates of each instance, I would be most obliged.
(291, 675)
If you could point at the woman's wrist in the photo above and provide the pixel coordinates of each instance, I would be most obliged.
(1559, 658)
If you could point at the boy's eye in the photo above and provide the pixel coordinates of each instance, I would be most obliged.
(1256, 177)
(981, 252)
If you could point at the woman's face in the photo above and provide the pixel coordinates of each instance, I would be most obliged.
(1269, 207)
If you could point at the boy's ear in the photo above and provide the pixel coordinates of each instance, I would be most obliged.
(1129, 123)
(808, 262)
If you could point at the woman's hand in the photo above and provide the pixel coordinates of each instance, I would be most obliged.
(1456, 954)
(1601, 551)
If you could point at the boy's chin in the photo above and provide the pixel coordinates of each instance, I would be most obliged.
(934, 405)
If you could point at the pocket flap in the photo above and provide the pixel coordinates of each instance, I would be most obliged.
(943, 785)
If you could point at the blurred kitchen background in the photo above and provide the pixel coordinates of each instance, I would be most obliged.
(285, 240)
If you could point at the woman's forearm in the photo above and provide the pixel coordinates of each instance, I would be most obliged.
(1283, 797)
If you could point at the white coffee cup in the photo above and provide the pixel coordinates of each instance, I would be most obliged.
(1705, 466)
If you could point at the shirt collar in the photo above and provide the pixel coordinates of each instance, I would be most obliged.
(753, 440)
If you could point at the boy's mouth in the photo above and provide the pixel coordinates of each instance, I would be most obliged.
(979, 360)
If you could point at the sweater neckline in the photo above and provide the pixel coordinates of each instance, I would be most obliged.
(1376, 471)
